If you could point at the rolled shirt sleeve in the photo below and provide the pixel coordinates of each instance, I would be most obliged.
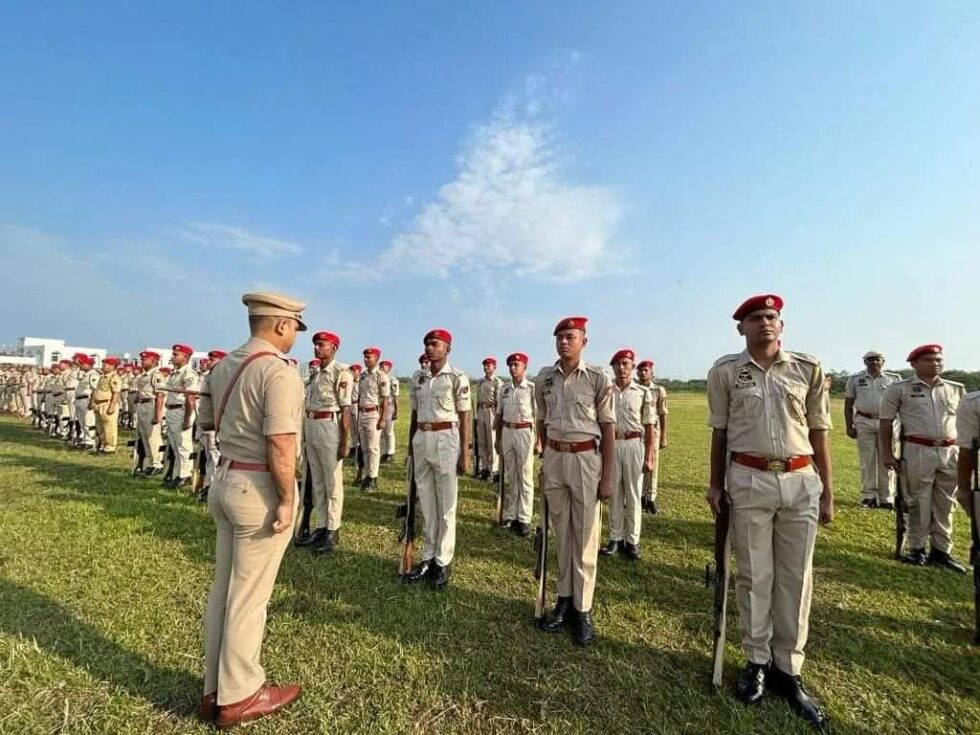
(605, 408)
(718, 399)
(891, 403)
(818, 403)
(968, 422)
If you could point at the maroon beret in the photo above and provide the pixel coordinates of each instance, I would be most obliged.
(762, 301)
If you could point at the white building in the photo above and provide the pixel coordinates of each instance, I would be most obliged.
(44, 350)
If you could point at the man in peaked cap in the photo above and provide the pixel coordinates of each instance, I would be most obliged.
(254, 404)
(516, 415)
(373, 394)
(770, 457)
(183, 388)
(326, 435)
(863, 395)
(104, 402)
(487, 390)
(926, 405)
(651, 478)
(388, 435)
(439, 435)
(576, 435)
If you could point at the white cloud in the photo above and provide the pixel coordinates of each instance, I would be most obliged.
(231, 237)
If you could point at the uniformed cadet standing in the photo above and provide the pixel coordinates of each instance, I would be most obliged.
(635, 421)
(135, 373)
(150, 387)
(651, 478)
(372, 401)
(926, 406)
(183, 387)
(439, 437)
(30, 391)
(59, 400)
(388, 436)
(125, 373)
(88, 381)
(487, 390)
(770, 455)
(105, 403)
(576, 433)
(326, 433)
(208, 440)
(516, 415)
(863, 394)
(255, 406)
(355, 395)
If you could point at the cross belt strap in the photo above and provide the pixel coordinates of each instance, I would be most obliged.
(929, 441)
(231, 384)
(772, 465)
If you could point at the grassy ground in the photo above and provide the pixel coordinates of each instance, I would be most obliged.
(104, 580)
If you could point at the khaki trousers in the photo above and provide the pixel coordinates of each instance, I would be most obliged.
(517, 446)
(209, 445)
(107, 426)
(931, 489)
(651, 479)
(370, 439)
(355, 438)
(149, 435)
(877, 481)
(625, 511)
(181, 443)
(246, 561)
(388, 433)
(774, 530)
(436, 454)
(571, 485)
(485, 418)
(322, 438)
(86, 421)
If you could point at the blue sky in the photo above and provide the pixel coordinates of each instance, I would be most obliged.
(491, 167)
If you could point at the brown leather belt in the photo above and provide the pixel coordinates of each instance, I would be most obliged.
(518, 424)
(104, 400)
(175, 405)
(629, 434)
(367, 409)
(865, 414)
(573, 447)
(57, 395)
(320, 414)
(80, 398)
(929, 442)
(435, 425)
(234, 464)
(772, 465)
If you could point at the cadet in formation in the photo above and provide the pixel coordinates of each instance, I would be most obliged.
(148, 406)
(516, 416)
(105, 401)
(863, 395)
(487, 390)
(87, 382)
(372, 404)
(183, 388)
(651, 478)
(576, 435)
(926, 405)
(208, 442)
(770, 460)
(391, 413)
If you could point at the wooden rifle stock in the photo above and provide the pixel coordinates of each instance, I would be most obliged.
(541, 546)
(408, 529)
(975, 538)
(719, 578)
(901, 507)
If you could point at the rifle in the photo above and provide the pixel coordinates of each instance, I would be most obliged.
(476, 447)
(407, 511)
(901, 507)
(170, 462)
(541, 547)
(975, 538)
(200, 459)
(500, 492)
(719, 577)
(138, 455)
(303, 530)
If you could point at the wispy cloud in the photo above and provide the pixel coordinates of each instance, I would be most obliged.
(231, 237)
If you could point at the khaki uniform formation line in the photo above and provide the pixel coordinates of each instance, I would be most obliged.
(267, 445)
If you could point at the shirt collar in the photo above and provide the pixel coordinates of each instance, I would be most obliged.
(580, 366)
(781, 356)
(257, 344)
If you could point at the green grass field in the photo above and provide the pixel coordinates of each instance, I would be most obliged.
(104, 581)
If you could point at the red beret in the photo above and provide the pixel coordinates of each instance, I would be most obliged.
(440, 334)
(88, 360)
(570, 322)
(314, 362)
(644, 363)
(166, 370)
(517, 357)
(386, 362)
(423, 358)
(762, 301)
(217, 354)
(376, 351)
(149, 353)
(923, 350)
(293, 361)
(111, 361)
(490, 360)
(64, 362)
(186, 349)
(623, 354)
(327, 337)
(356, 367)
(78, 356)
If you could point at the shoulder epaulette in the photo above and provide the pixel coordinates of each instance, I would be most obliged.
(726, 358)
(891, 374)
(804, 357)
(955, 382)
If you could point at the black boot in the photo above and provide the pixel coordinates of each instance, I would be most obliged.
(330, 539)
(421, 571)
(751, 686)
(610, 548)
(203, 495)
(631, 551)
(943, 559)
(520, 528)
(370, 485)
(792, 690)
(441, 577)
(652, 508)
(584, 630)
(562, 614)
(916, 557)
(308, 539)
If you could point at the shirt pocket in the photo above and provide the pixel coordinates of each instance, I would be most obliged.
(747, 402)
(442, 392)
(585, 409)
(951, 403)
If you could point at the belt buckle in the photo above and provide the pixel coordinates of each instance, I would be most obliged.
(937, 442)
(426, 426)
(776, 465)
(564, 446)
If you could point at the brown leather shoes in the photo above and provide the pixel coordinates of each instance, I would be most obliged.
(208, 706)
(265, 701)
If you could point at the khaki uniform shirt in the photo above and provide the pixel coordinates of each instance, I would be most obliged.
(634, 408)
(927, 411)
(330, 389)
(768, 413)
(88, 381)
(439, 397)
(184, 379)
(487, 391)
(968, 420)
(517, 404)
(149, 383)
(572, 406)
(266, 400)
(374, 386)
(867, 392)
(69, 379)
(108, 384)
